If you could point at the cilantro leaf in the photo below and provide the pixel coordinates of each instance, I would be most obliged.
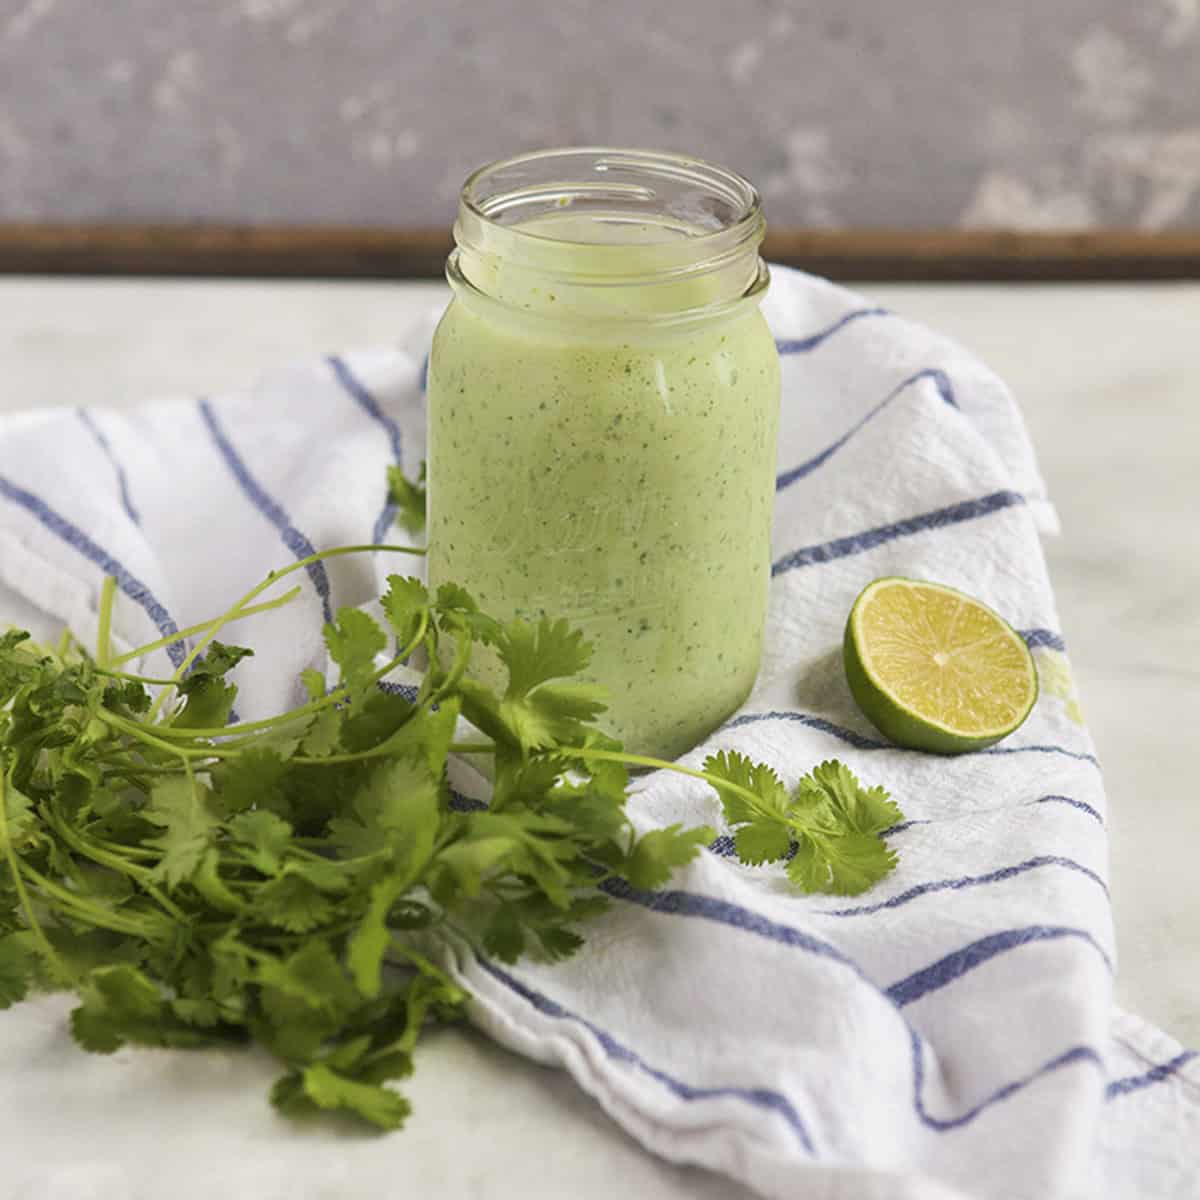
(353, 641)
(404, 603)
(396, 805)
(844, 865)
(453, 597)
(504, 936)
(426, 736)
(770, 796)
(762, 841)
(534, 712)
(374, 1103)
(457, 611)
(264, 837)
(208, 703)
(185, 810)
(208, 882)
(370, 940)
(17, 968)
(557, 941)
(809, 868)
(293, 902)
(863, 810)
(120, 1004)
(657, 854)
(409, 499)
(208, 698)
(252, 779)
(21, 822)
(323, 734)
(219, 659)
(312, 975)
(535, 654)
(552, 714)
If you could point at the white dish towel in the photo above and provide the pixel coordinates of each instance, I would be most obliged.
(949, 1034)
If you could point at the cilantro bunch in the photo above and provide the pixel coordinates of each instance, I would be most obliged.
(287, 880)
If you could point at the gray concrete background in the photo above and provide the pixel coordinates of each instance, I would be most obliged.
(1027, 114)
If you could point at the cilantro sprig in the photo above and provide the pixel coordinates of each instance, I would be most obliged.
(828, 827)
(287, 880)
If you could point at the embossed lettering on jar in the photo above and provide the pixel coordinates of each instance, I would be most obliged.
(603, 404)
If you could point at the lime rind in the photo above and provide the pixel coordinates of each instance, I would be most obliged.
(900, 722)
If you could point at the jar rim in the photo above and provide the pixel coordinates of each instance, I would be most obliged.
(722, 184)
(565, 221)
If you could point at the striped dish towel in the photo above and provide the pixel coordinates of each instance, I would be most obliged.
(948, 1034)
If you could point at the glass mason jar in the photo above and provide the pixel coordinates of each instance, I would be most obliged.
(603, 405)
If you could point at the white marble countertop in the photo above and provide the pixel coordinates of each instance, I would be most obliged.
(1110, 384)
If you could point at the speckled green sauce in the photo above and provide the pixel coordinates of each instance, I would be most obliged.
(624, 485)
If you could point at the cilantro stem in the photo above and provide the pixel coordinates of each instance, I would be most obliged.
(97, 914)
(132, 769)
(108, 592)
(192, 630)
(137, 730)
(110, 674)
(272, 578)
(239, 609)
(123, 851)
(114, 862)
(15, 869)
(458, 668)
(235, 733)
(641, 760)
(308, 760)
(632, 760)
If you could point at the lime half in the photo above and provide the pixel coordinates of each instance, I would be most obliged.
(934, 669)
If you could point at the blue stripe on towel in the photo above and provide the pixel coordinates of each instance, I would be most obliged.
(385, 520)
(967, 881)
(463, 803)
(937, 975)
(1042, 637)
(805, 344)
(787, 478)
(102, 441)
(858, 543)
(1081, 755)
(1135, 1083)
(74, 537)
(763, 1098)
(727, 913)
(1082, 805)
(354, 387)
(292, 538)
(953, 966)
(861, 741)
(902, 826)
(407, 690)
(1073, 1055)
(363, 398)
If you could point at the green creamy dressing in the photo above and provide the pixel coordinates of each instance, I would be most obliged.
(622, 481)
